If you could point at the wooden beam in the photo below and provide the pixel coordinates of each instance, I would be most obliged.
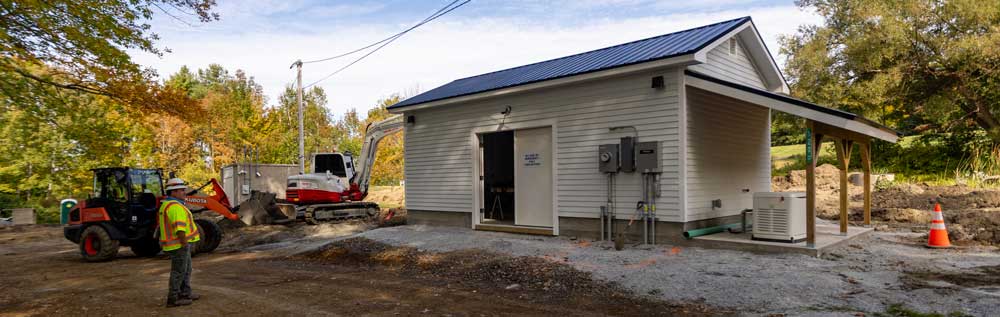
(840, 133)
(866, 165)
(844, 158)
(814, 142)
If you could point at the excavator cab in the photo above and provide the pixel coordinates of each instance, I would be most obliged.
(337, 164)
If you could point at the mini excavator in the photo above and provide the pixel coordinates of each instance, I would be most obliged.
(336, 187)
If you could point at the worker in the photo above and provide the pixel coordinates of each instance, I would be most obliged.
(178, 232)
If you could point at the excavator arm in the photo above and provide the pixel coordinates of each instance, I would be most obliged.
(373, 135)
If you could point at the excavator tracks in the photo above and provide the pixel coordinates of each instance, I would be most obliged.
(330, 213)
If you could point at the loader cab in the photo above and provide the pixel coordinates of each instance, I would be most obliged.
(129, 196)
(338, 164)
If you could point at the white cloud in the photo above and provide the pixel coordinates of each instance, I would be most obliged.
(448, 49)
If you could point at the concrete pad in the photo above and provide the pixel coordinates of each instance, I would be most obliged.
(827, 238)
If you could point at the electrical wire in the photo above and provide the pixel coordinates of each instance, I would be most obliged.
(422, 22)
(391, 39)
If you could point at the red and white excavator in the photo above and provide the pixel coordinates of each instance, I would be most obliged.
(336, 186)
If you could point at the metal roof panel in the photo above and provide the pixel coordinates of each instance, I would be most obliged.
(645, 50)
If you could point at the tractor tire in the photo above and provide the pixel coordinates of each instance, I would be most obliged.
(146, 248)
(96, 244)
(211, 236)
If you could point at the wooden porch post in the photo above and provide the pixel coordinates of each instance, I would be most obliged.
(813, 144)
(844, 158)
(866, 165)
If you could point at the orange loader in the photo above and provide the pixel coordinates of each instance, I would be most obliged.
(123, 208)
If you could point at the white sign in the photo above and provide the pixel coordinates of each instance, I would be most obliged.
(532, 159)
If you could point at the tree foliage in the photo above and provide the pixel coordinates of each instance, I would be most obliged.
(918, 66)
(81, 46)
(49, 144)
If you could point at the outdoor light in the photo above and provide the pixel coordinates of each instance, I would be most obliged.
(658, 82)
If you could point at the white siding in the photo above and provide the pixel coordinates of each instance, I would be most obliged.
(439, 157)
(732, 67)
(728, 150)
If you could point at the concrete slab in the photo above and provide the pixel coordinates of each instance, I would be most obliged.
(827, 238)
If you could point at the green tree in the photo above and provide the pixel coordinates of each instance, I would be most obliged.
(921, 65)
(47, 150)
(319, 131)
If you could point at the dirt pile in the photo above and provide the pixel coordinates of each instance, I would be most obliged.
(239, 237)
(546, 280)
(827, 179)
(972, 215)
(28, 233)
(387, 196)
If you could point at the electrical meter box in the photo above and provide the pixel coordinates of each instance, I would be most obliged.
(647, 157)
(626, 154)
(607, 158)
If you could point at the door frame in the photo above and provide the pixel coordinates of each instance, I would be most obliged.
(477, 186)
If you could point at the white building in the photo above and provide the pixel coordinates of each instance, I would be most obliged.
(517, 149)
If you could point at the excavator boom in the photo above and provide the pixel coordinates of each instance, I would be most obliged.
(373, 135)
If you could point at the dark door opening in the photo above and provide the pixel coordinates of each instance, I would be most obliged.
(498, 178)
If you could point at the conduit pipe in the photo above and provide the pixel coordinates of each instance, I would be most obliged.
(710, 230)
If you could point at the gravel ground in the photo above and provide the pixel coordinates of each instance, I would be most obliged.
(865, 276)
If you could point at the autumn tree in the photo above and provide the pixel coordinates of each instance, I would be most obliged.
(81, 46)
(388, 167)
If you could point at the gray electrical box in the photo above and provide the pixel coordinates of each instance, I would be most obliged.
(607, 158)
(627, 154)
(647, 157)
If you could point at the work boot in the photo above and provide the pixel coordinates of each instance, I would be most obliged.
(179, 302)
(192, 296)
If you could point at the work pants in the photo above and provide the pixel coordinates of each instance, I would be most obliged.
(180, 274)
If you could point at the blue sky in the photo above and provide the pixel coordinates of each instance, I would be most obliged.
(264, 37)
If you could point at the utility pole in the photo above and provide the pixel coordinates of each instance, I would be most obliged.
(302, 144)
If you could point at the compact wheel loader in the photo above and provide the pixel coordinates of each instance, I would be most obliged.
(122, 211)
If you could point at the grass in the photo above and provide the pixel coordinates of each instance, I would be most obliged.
(898, 310)
(785, 158)
(785, 155)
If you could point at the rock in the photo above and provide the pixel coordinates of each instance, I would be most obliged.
(513, 287)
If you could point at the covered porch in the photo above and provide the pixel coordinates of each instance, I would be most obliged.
(843, 129)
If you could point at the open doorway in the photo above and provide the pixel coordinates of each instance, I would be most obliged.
(498, 178)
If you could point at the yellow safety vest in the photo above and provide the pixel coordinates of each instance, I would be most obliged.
(174, 216)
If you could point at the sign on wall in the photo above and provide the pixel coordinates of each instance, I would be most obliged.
(532, 159)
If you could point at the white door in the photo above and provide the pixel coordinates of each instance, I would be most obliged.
(533, 177)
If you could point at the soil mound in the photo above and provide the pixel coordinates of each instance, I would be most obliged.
(547, 280)
(972, 215)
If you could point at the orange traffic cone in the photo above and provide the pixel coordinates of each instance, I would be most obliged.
(938, 237)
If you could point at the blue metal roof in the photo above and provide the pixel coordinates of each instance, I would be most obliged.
(646, 50)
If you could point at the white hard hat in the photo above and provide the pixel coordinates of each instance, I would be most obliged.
(176, 183)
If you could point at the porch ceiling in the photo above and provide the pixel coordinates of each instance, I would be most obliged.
(853, 126)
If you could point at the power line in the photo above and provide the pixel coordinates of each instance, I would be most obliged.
(390, 40)
(425, 20)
